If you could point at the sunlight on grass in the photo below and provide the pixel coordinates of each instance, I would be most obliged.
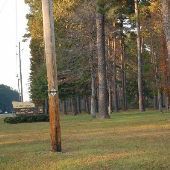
(96, 158)
(126, 141)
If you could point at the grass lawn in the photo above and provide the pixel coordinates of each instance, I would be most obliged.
(128, 140)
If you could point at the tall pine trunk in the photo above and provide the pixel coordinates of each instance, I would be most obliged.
(87, 104)
(115, 95)
(79, 104)
(140, 84)
(64, 104)
(123, 75)
(103, 96)
(109, 78)
(93, 94)
(160, 99)
(74, 103)
(166, 25)
(93, 83)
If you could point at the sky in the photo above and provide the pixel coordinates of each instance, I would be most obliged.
(12, 28)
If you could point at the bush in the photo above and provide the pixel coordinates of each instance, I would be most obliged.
(27, 119)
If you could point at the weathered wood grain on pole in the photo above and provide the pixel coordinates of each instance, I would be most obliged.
(49, 39)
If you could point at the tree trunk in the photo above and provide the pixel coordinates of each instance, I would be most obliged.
(154, 61)
(93, 84)
(115, 96)
(110, 98)
(87, 103)
(123, 75)
(93, 94)
(74, 102)
(160, 100)
(103, 97)
(155, 101)
(46, 106)
(79, 104)
(64, 107)
(84, 104)
(166, 102)
(119, 96)
(97, 100)
(60, 105)
(166, 24)
(71, 105)
(140, 84)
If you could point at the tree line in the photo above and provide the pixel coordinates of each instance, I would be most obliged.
(7, 95)
(111, 55)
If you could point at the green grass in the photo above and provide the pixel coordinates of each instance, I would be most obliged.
(128, 140)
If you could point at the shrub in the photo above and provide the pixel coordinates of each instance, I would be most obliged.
(27, 119)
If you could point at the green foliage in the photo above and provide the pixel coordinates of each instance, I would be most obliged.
(73, 33)
(132, 92)
(75, 30)
(130, 6)
(27, 119)
(39, 88)
(7, 95)
(101, 6)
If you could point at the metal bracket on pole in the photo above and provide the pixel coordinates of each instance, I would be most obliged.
(52, 92)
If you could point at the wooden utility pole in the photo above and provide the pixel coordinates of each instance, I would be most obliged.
(49, 39)
(20, 71)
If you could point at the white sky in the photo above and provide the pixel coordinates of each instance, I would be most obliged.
(8, 41)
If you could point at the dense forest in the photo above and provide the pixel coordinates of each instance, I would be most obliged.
(7, 95)
(111, 54)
